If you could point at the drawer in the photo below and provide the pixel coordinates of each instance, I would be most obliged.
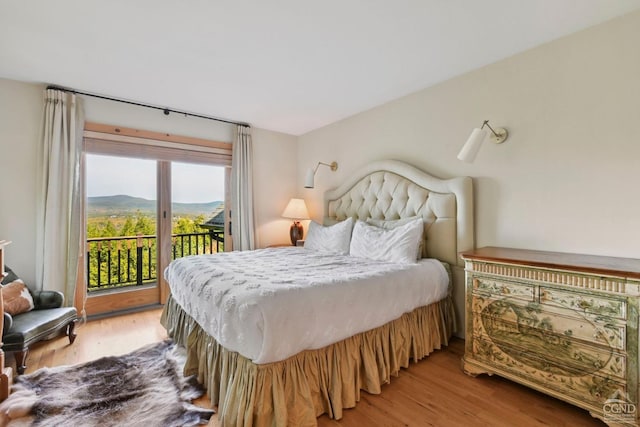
(588, 387)
(484, 286)
(548, 351)
(585, 303)
(602, 331)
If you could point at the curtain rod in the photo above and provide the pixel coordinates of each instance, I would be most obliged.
(165, 110)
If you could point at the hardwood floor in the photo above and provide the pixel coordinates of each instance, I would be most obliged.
(433, 392)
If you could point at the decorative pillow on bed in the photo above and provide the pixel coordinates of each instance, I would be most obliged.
(17, 298)
(390, 224)
(333, 239)
(400, 244)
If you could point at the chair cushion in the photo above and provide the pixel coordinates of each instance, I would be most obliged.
(36, 325)
(45, 300)
(17, 298)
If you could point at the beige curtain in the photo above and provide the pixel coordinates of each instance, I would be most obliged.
(242, 218)
(59, 215)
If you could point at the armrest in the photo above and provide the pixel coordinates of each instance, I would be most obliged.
(8, 321)
(43, 300)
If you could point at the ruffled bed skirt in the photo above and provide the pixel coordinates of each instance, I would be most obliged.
(297, 390)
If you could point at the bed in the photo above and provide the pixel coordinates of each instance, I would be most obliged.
(282, 346)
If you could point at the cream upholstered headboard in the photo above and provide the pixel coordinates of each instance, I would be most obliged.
(391, 189)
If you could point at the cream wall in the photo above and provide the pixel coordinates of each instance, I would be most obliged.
(275, 183)
(566, 179)
(21, 103)
(20, 112)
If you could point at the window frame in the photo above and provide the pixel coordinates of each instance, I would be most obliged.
(111, 140)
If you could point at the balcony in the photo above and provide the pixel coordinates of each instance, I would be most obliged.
(131, 261)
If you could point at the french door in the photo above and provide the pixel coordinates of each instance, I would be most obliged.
(147, 202)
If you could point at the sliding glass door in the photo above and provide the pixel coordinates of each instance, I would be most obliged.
(198, 209)
(197, 218)
(141, 213)
(121, 234)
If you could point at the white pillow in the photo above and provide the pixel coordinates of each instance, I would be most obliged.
(390, 224)
(399, 244)
(333, 239)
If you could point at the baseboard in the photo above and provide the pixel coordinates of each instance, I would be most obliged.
(124, 311)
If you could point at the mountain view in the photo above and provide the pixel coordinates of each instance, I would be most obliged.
(122, 205)
(122, 215)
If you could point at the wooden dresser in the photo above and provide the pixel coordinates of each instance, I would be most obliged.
(563, 324)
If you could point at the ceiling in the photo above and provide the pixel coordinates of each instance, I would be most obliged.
(285, 65)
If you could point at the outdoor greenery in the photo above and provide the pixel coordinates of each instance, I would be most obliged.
(139, 223)
(123, 247)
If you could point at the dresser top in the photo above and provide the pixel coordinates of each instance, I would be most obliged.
(625, 267)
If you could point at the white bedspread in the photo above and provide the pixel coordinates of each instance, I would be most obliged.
(270, 304)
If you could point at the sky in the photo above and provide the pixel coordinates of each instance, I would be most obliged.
(191, 183)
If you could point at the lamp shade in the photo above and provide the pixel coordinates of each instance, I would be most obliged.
(296, 209)
(309, 179)
(473, 144)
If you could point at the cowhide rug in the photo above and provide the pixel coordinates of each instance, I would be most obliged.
(142, 388)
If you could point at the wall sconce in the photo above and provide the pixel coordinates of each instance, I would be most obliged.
(311, 173)
(472, 146)
(296, 210)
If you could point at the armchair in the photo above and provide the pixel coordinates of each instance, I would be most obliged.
(47, 319)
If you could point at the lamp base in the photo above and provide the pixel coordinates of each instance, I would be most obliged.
(296, 232)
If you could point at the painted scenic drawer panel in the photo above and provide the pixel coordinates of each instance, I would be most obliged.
(589, 387)
(484, 286)
(600, 330)
(587, 303)
(544, 350)
(565, 324)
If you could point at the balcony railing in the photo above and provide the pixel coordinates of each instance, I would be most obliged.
(123, 262)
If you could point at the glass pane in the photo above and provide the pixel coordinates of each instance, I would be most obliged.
(121, 222)
(197, 205)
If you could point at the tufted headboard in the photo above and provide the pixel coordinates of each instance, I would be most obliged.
(391, 189)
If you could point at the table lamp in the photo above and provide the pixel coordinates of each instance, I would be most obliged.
(296, 210)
